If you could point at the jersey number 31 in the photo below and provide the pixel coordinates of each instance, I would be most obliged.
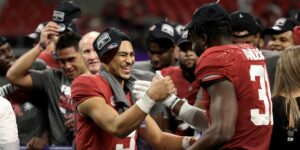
(263, 117)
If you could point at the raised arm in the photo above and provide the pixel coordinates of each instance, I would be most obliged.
(18, 73)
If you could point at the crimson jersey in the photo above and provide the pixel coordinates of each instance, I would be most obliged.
(89, 136)
(245, 67)
(184, 88)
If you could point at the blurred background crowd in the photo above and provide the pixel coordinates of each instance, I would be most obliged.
(134, 17)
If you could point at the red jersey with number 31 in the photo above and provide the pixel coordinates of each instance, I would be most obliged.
(89, 136)
(245, 67)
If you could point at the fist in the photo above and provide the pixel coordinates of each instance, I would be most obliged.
(160, 88)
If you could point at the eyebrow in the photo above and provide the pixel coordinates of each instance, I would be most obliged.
(122, 52)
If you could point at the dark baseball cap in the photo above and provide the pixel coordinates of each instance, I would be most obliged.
(183, 38)
(3, 40)
(64, 13)
(36, 34)
(260, 25)
(109, 39)
(282, 25)
(243, 24)
(73, 27)
(178, 31)
(163, 30)
(210, 12)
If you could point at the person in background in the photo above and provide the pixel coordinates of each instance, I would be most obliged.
(88, 52)
(71, 11)
(160, 44)
(281, 34)
(29, 107)
(8, 127)
(55, 83)
(7, 58)
(183, 75)
(247, 30)
(244, 28)
(286, 101)
(184, 80)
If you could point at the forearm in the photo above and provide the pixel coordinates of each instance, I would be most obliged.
(20, 69)
(190, 114)
(159, 90)
(223, 113)
(212, 139)
(137, 113)
(123, 126)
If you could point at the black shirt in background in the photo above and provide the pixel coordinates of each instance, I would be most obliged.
(279, 135)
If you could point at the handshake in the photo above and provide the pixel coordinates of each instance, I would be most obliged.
(159, 90)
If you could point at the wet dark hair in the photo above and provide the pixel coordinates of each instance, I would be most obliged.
(213, 30)
(68, 39)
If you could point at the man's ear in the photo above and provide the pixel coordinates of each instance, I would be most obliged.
(203, 38)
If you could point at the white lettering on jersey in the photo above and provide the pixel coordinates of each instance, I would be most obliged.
(65, 101)
(265, 117)
(66, 90)
(27, 106)
(253, 54)
(132, 144)
(7, 89)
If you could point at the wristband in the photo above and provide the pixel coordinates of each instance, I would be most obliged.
(171, 101)
(145, 103)
(194, 116)
(43, 45)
